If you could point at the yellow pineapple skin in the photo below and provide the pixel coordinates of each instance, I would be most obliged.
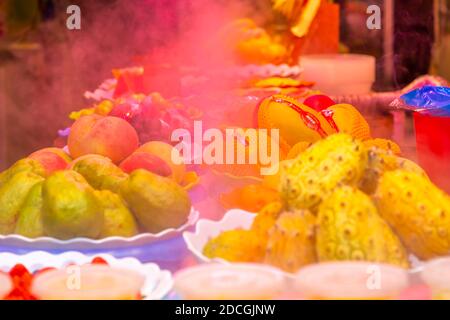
(236, 246)
(417, 210)
(291, 242)
(337, 160)
(350, 228)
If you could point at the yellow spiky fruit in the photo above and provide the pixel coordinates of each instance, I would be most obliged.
(273, 181)
(381, 161)
(417, 210)
(411, 166)
(291, 241)
(385, 144)
(349, 228)
(349, 120)
(236, 246)
(338, 159)
(266, 218)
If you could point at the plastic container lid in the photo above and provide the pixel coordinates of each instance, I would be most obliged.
(436, 274)
(227, 282)
(88, 282)
(6, 285)
(351, 280)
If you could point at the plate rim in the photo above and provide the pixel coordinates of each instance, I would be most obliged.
(99, 243)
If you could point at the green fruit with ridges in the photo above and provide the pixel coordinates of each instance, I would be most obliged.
(29, 223)
(23, 165)
(13, 194)
(157, 202)
(118, 219)
(100, 172)
(71, 208)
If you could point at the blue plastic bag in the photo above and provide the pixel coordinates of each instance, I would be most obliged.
(428, 100)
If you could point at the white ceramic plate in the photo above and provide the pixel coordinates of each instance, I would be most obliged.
(45, 243)
(157, 284)
(207, 229)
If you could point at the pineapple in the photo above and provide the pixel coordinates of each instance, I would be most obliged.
(291, 241)
(350, 228)
(417, 210)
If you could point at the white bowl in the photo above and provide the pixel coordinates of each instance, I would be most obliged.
(207, 229)
(158, 283)
(47, 243)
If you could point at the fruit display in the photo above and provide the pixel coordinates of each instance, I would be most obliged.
(343, 200)
(303, 122)
(259, 149)
(112, 187)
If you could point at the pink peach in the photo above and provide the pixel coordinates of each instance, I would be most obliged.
(111, 137)
(150, 162)
(52, 159)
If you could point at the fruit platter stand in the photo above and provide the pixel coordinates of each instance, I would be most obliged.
(264, 174)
